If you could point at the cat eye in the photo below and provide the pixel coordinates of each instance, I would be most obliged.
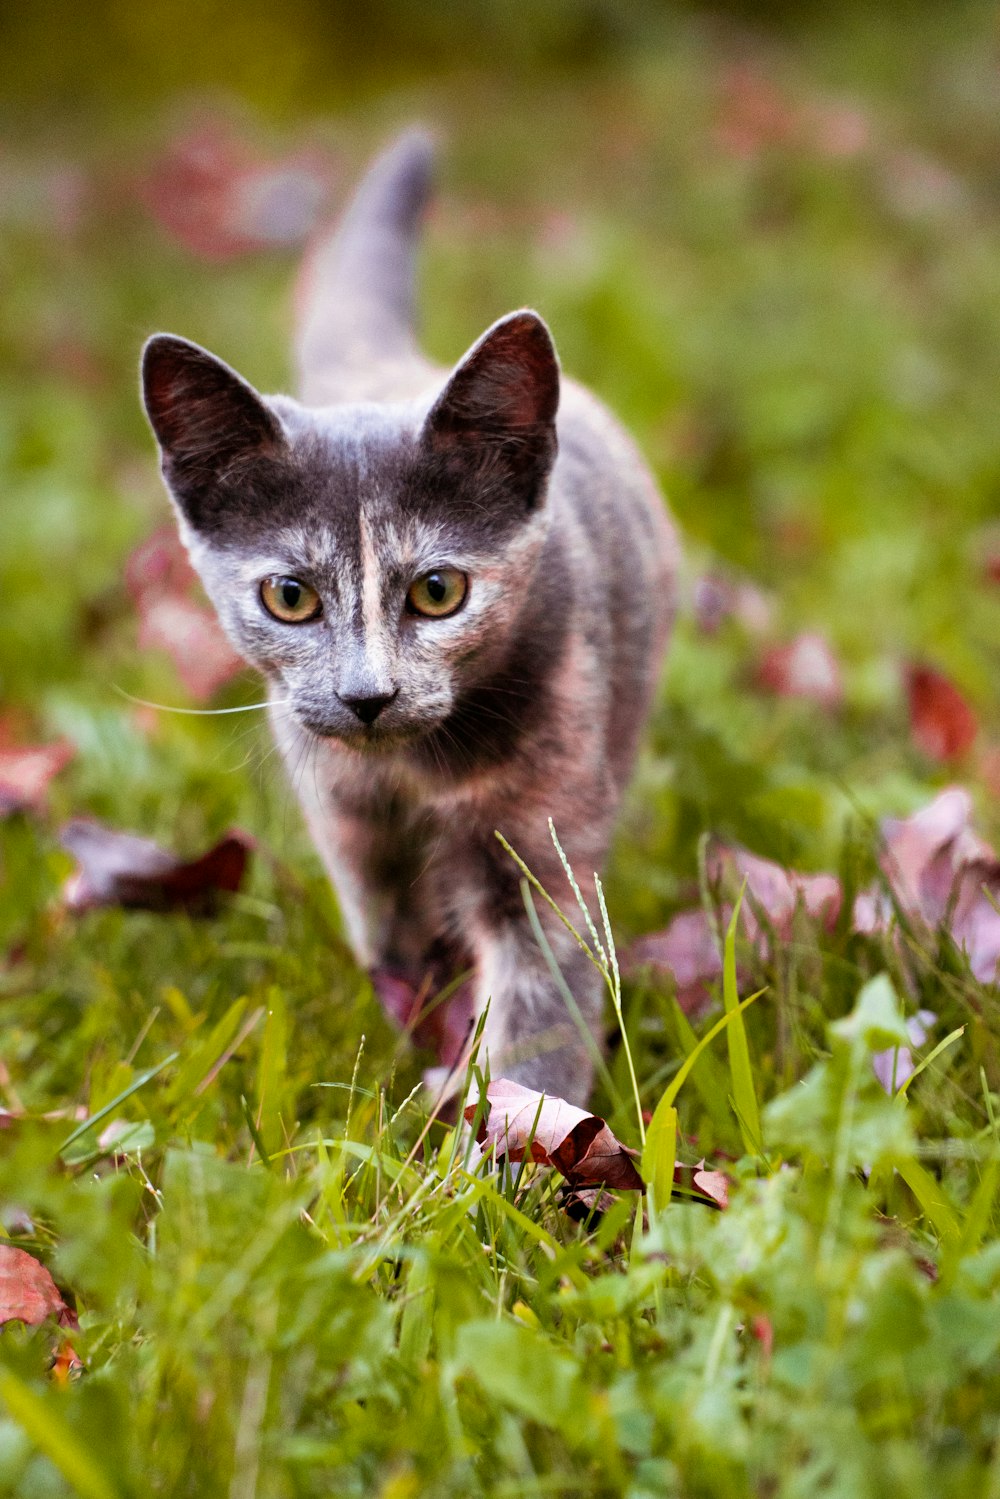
(289, 600)
(439, 593)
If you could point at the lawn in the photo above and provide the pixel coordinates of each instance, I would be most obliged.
(776, 254)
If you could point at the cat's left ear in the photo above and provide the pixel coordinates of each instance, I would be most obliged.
(497, 414)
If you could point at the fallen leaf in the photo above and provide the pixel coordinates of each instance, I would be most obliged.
(763, 1330)
(27, 1291)
(687, 949)
(163, 586)
(754, 114)
(120, 869)
(159, 567)
(943, 725)
(219, 198)
(805, 667)
(555, 1133)
(773, 892)
(717, 596)
(190, 635)
(25, 773)
(839, 129)
(712, 1184)
(942, 874)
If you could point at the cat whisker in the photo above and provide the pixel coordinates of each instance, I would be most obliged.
(143, 702)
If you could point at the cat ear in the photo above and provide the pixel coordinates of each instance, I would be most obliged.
(206, 417)
(497, 413)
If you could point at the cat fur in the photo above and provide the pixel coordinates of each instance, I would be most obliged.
(525, 705)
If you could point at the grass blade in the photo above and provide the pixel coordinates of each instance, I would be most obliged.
(660, 1149)
(744, 1093)
(119, 1098)
(57, 1441)
(659, 1156)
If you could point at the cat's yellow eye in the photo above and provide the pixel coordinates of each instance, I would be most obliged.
(438, 593)
(289, 600)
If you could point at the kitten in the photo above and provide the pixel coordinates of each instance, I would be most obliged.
(459, 587)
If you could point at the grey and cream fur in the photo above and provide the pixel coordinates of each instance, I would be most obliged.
(410, 739)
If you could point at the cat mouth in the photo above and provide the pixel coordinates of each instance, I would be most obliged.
(374, 738)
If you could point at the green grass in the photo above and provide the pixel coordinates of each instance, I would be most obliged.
(288, 1282)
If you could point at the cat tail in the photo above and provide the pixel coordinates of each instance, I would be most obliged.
(355, 294)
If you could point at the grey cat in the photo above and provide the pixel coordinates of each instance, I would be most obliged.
(459, 587)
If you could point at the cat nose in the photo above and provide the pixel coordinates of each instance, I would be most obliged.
(369, 708)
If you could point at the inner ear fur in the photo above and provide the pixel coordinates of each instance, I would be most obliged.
(205, 416)
(498, 409)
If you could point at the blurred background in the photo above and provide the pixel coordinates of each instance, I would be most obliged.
(768, 235)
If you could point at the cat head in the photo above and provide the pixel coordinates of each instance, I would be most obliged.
(374, 561)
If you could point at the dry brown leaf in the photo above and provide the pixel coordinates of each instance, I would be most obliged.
(119, 869)
(555, 1133)
(712, 1184)
(688, 947)
(190, 635)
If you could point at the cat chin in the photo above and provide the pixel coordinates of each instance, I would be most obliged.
(376, 739)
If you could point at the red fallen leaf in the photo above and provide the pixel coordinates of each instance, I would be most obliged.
(119, 869)
(161, 582)
(159, 566)
(763, 1331)
(772, 890)
(27, 1291)
(717, 597)
(578, 1144)
(714, 1184)
(26, 770)
(940, 871)
(839, 129)
(191, 636)
(754, 115)
(805, 668)
(219, 198)
(687, 948)
(943, 725)
(922, 854)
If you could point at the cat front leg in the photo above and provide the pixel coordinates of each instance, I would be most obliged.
(531, 1034)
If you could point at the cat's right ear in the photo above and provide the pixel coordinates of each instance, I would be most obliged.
(207, 420)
